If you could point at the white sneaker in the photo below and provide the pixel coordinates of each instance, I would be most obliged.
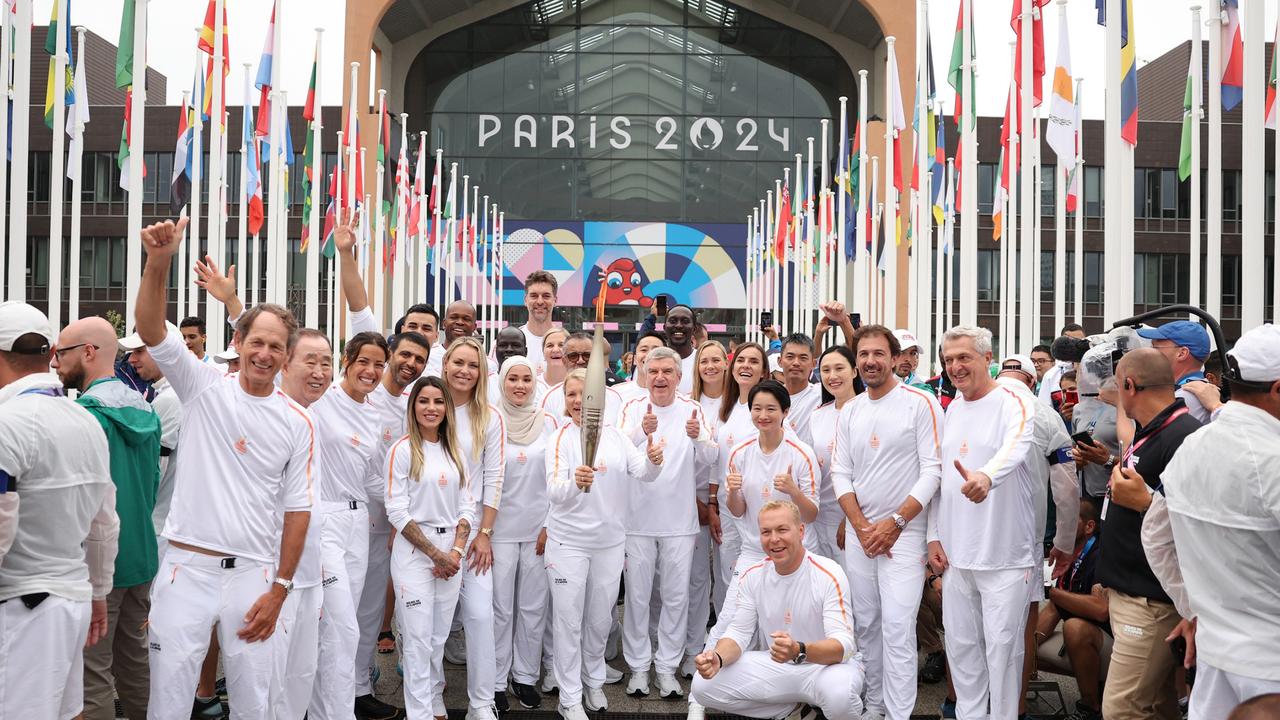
(669, 686)
(689, 668)
(482, 713)
(873, 715)
(549, 684)
(594, 699)
(611, 675)
(573, 712)
(638, 685)
(696, 711)
(455, 649)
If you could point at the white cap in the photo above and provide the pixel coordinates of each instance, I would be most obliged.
(1024, 365)
(775, 363)
(907, 340)
(226, 356)
(18, 319)
(1257, 354)
(132, 342)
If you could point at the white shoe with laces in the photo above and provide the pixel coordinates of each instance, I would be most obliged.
(594, 700)
(669, 686)
(638, 685)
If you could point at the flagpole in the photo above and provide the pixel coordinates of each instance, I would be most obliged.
(312, 302)
(133, 249)
(1029, 315)
(762, 259)
(1060, 228)
(862, 238)
(438, 243)
(473, 259)
(449, 241)
(1275, 227)
(6, 86)
(874, 307)
(891, 198)
(399, 244)
(771, 287)
(274, 200)
(1213, 203)
(242, 223)
(824, 267)
(1252, 253)
(924, 210)
(950, 229)
(76, 162)
(806, 250)
(501, 270)
(378, 251)
(214, 228)
(1036, 227)
(842, 210)
(57, 184)
(1078, 268)
(21, 133)
(353, 141)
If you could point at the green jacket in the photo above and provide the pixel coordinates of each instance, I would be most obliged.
(133, 439)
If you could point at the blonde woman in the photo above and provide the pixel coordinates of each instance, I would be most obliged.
(711, 364)
(429, 502)
(520, 595)
(586, 535)
(480, 435)
(553, 369)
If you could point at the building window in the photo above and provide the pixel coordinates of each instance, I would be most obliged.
(1093, 191)
(1230, 197)
(986, 188)
(988, 274)
(1048, 188)
(1161, 278)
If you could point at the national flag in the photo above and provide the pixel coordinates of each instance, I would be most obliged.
(351, 149)
(1271, 84)
(1128, 69)
(949, 213)
(955, 74)
(1232, 56)
(253, 177)
(126, 142)
(309, 109)
(330, 219)
(399, 210)
(77, 118)
(308, 158)
(1061, 133)
(384, 153)
(124, 48)
(263, 81)
(1037, 48)
(1073, 182)
(205, 43)
(783, 224)
(51, 47)
(180, 183)
(851, 220)
(939, 166)
(997, 207)
(418, 199)
(1184, 151)
(897, 117)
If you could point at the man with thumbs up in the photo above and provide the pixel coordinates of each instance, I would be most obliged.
(662, 525)
(986, 521)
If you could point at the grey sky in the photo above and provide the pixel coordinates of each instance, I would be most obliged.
(1160, 25)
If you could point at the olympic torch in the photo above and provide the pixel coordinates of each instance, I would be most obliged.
(593, 398)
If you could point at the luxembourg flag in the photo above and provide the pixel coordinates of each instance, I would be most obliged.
(1232, 57)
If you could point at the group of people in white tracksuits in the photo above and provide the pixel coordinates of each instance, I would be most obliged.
(296, 499)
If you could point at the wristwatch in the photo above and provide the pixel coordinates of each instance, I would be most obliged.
(899, 521)
(800, 656)
(487, 532)
(286, 584)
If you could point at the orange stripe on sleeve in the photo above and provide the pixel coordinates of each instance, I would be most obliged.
(933, 414)
(839, 591)
(391, 462)
(813, 478)
(311, 445)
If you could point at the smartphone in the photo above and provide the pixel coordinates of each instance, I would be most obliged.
(1082, 438)
(1070, 397)
(662, 306)
(856, 319)
(766, 319)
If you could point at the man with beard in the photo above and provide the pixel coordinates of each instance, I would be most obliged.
(577, 352)
(906, 362)
(678, 327)
(85, 361)
(237, 560)
(540, 290)
(424, 320)
(885, 470)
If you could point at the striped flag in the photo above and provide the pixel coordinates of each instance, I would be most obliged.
(898, 117)
(1037, 48)
(51, 47)
(77, 117)
(1128, 69)
(955, 74)
(384, 154)
(417, 199)
(997, 206)
(205, 43)
(253, 177)
(180, 184)
(330, 219)
(1232, 56)
(783, 224)
(1271, 84)
(1061, 133)
(263, 80)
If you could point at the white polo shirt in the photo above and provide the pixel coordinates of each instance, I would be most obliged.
(811, 604)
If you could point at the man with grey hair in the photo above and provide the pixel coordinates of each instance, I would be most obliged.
(986, 527)
(662, 526)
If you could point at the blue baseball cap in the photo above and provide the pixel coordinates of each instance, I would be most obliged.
(1184, 333)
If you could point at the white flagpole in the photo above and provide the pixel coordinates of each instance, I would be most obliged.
(502, 231)
(1197, 111)
(1029, 316)
(1252, 257)
(842, 214)
(21, 133)
(771, 232)
(875, 306)
(1275, 230)
(317, 199)
(273, 199)
(968, 173)
(398, 266)
(1060, 230)
(483, 251)
(242, 224)
(57, 183)
(784, 301)
(215, 228)
(352, 144)
(76, 161)
(861, 286)
(950, 227)
(1113, 220)
(464, 286)
(285, 247)
(377, 299)
(1213, 203)
(473, 257)
(806, 250)
(824, 237)
(1036, 215)
(890, 197)
(762, 254)
(752, 277)
(133, 249)
(922, 255)
(449, 242)
(1079, 227)
(6, 87)
(438, 249)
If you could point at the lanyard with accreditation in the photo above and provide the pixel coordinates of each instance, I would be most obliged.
(1129, 461)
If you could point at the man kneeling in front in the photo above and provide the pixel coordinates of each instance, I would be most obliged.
(796, 603)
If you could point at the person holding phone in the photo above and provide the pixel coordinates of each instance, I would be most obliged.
(1094, 438)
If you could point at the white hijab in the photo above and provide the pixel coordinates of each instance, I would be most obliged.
(521, 421)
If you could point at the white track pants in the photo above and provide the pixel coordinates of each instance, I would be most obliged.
(584, 590)
(42, 658)
(756, 686)
(725, 616)
(520, 608)
(986, 613)
(296, 668)
(344, 555)
(699, 593)
(662, 561)
(885, 595)
(476, 613)
(1218, 692)
(191, 593)
(373, 604)
(725, 560)
(424, 612)
(824, 544)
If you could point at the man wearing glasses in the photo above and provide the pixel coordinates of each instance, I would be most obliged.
(577, 351)
(85, 360)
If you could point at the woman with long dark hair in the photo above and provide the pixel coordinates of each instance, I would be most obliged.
(837, 371)
(430, 504)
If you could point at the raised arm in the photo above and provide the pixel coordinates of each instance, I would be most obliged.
(344, 242)
(161, 241)
(221, 287)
